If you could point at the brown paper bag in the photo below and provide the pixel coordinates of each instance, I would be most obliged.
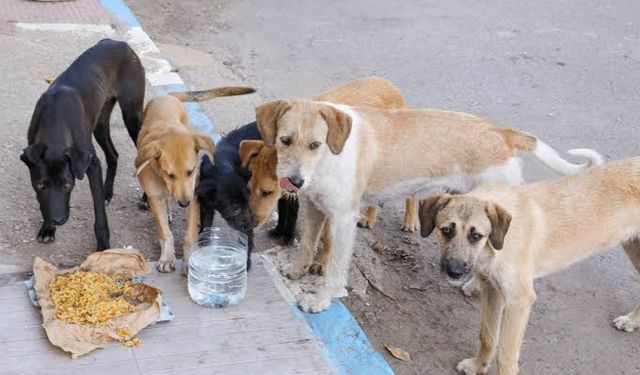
(79, 339)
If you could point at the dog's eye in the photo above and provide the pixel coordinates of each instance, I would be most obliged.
(266, 193)
(474, 237)
(285, 140)
(448, 232)
(172, 176)
(40, 186)
(189, 173)
(236, 211)
(314, 145)
(67, 185)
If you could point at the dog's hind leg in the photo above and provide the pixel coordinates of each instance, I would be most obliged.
(103, 137)
(131, 101)
(167, 261)
(631, 321)
(368, 217)
(312, 223)
(320, 263)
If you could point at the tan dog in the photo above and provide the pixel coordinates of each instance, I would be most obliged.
(335, 153)
(509, 235)
(167, 163)
(261, 161)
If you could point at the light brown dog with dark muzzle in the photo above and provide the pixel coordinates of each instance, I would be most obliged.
(510, 235)
(168, 160)
(334, 154)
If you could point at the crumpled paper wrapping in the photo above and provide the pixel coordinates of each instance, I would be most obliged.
(80, 339)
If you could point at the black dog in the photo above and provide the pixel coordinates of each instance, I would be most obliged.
(76, 105)
(223, 187)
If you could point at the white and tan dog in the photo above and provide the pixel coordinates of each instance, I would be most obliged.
(335, 153)
(509, 235)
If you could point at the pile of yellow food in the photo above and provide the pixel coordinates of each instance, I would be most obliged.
(90, 297)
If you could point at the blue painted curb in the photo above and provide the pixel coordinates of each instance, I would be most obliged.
(347, 346)
(121, 11)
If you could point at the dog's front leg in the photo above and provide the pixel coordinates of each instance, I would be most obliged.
(167, 261)
(514, 324)
(411, 222)
(312, 222)
(492, 308)
(101, 225)
(193, 226)
(341, 233)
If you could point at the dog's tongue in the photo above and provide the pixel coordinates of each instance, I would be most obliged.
(287, 185)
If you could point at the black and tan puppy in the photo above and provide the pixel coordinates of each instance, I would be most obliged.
(77, 105)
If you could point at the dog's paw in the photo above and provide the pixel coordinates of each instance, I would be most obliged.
(626, 323)
(167, 265)
(314, 303)
(185, 269)
(143, 205)
(364, 222)
(341, 293)
(46, 235)
(470, 366)
(295, 273)
(471, 288)
(410, 227)
(317, 269)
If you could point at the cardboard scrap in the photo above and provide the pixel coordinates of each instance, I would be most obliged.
(80, 339)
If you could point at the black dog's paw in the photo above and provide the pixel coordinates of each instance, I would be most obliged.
(46, 234)
(143, 204)
(282, 238)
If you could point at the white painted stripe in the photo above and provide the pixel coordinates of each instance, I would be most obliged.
(140, 41)
(66, 27)
(164, 79)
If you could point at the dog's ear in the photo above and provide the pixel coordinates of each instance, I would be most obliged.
(146, 155)
(429, 209)
(339, 127)
(249, 149)
(79, 160)
(267, 117)
(32, 154)
(500, 221)
(204, 143)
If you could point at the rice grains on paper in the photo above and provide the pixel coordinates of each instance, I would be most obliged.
(96, 303)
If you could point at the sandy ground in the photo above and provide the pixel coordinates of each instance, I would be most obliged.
(566, 72)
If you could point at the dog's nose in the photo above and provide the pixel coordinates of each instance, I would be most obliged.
(455, 271)
(184, 204)
(296, 181)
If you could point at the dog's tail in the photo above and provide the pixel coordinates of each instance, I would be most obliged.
(547, 155)
(199, 96)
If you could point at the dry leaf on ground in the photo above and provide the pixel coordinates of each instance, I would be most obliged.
(398, 352)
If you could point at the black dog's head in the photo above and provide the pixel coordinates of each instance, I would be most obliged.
(53, 171)
(226, 192)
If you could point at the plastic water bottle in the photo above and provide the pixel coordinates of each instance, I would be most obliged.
(218, 268)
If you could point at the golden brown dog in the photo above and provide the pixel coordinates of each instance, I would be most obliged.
(509, 235)
(261, 160)
(336, 153)
(167, 163)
